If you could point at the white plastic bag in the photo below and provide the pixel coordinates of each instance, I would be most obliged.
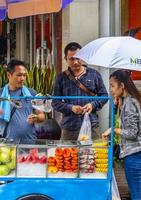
(85, 133)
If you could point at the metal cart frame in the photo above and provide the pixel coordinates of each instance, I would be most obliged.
(15, 188)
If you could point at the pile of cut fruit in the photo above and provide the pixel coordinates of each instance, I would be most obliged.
(32, 157)
(65, 160)
(7, 159)
(101, 156)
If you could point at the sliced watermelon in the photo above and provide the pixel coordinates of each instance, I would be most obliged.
(21, 158)
(35, 159)
(34, 152)
(28, 159)
(43, 159)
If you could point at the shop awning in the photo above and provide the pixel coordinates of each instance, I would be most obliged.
(2, 9)
(23, 8)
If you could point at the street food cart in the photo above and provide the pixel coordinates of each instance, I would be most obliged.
(59, 170)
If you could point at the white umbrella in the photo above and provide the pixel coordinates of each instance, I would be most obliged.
(113, 52)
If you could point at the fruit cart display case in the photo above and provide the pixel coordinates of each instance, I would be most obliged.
(59, 170)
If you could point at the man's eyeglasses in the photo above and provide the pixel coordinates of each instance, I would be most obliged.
(73, 59)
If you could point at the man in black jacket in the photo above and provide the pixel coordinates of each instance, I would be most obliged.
(73, 110)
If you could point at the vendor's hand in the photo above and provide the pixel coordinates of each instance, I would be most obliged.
(32, 118)
(106, 134)
(77, 109)
(87, 108)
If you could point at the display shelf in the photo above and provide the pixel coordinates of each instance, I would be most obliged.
(63, 185)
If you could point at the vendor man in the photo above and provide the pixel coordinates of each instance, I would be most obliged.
(18, 123)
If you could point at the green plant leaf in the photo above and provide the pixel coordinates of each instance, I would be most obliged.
(40, 79)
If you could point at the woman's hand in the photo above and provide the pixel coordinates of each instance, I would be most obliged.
(117, 131)
(106, 134)
(118, 101)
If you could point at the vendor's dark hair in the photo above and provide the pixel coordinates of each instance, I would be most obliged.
(72, 46)
(123, 76)
(13, 63)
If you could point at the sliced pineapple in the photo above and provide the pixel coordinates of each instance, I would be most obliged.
(100, 144)
(101, 150)
(101, 169)
(101, 156)
(101, 165)
(101, 161)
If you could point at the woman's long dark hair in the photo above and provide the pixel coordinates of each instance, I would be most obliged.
(123, 76)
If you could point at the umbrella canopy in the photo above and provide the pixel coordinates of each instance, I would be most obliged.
(113, 52)
(23, 8)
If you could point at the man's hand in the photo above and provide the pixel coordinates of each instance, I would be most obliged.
(87, 108)
(77, 109)
(38, 117)
(32, 118)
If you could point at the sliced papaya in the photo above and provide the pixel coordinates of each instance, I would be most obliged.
(59, 151)
(21, 158)
(51, 159)
(43, 160)
(67, 152)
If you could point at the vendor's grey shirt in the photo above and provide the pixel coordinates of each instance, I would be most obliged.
(19, 128)
(131, 127)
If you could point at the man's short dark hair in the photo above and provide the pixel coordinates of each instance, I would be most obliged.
(13, 63)
(72, 46)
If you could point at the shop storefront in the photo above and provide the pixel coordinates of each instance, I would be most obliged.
(131, 25)
(34, 36)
